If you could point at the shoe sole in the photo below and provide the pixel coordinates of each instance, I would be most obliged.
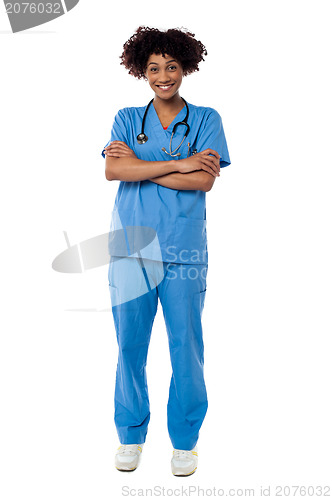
(126, 470)
(184, 475)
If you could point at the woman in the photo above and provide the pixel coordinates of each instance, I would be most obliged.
(166, 155)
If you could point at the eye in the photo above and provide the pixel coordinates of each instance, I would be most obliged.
(172, 67)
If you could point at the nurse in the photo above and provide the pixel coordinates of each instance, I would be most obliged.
(166, 155)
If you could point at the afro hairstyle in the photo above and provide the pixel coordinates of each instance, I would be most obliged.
(178, 43)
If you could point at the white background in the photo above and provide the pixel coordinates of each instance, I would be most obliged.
(267, 316)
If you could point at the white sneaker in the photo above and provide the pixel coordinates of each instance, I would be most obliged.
(128, 456)
(184, 462)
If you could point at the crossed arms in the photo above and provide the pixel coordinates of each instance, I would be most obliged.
(196, 172)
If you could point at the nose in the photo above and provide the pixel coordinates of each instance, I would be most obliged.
(164, 77)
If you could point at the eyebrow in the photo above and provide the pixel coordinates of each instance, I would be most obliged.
(171, 60)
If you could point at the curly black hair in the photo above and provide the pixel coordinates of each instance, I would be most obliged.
(178, 43)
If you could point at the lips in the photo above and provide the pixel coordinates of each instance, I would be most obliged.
(165, 87)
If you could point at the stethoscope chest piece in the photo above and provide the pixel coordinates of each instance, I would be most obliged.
(142, 138)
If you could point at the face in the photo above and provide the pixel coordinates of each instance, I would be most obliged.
(164, 75)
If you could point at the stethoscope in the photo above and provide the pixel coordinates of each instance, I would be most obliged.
(142, 137)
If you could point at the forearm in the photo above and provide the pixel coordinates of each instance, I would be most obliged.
(199, 180)
(134, 170)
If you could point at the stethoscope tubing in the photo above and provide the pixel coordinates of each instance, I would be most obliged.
(142, 138)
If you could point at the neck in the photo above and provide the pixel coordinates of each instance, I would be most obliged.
(175, 103)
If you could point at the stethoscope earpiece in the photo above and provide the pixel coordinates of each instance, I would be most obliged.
(177, 154)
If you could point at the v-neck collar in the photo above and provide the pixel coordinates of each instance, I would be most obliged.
(178, 118)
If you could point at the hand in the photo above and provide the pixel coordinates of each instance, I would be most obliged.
(200, 161)
(119, 149)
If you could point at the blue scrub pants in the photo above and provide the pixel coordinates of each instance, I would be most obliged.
(134, 293)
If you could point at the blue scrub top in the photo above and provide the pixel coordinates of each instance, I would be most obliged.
(178, 217)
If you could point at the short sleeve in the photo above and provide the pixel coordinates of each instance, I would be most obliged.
(119, 130)
(212, 136)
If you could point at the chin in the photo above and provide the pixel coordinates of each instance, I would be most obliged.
(165, 96)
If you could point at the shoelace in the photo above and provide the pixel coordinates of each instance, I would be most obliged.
(183, 453)
(127, 448)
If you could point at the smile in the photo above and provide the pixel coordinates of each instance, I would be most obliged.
(165, 87)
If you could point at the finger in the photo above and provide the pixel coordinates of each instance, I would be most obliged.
(116, 143)
(212, 163)
(110, 153)
(210, 168)
(216, 162)
(122, 145)
(212, 159)
(119, 154)
(115, 148)
(206, 155)
(120, 149)
(212, 152)
(209, 172)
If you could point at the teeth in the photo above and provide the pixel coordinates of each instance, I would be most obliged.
(164, 86)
